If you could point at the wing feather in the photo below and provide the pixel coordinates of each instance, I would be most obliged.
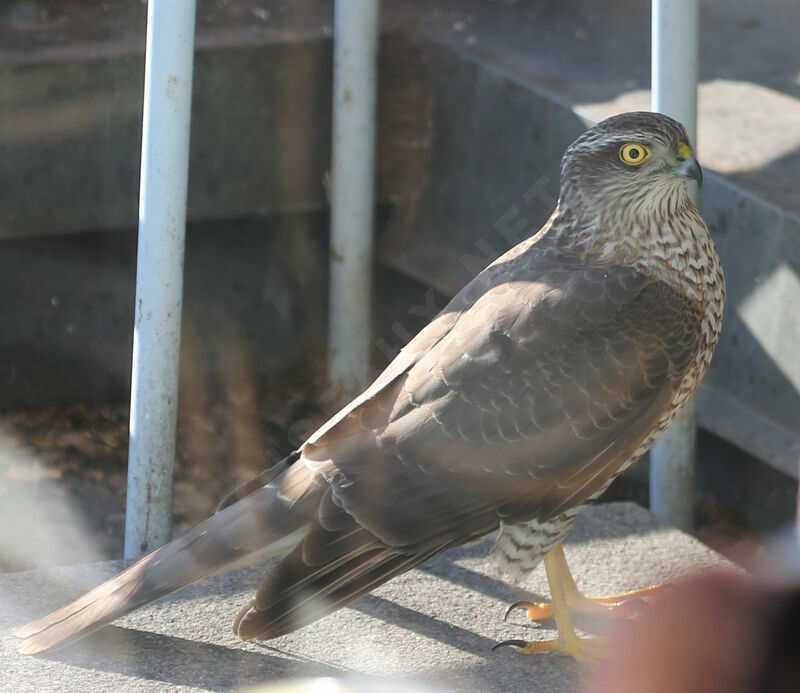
(530, 390)
(542, 387)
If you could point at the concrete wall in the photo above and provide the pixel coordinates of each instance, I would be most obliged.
(260, 143)
(71, 137)
(254, 291)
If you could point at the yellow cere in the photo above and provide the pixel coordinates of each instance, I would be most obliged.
(634, 153)
(684, 151)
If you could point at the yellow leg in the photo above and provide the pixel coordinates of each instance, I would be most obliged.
(568, 642)
(618, 605)
(568, 600)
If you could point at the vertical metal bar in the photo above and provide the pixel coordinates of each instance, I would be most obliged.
(674, 84)
(159, 273)
(352, 191)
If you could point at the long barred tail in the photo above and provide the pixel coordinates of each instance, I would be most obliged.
(266, 523)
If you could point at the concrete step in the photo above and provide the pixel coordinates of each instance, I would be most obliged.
(435, 625)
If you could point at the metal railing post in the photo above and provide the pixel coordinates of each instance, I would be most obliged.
(674, 93)
(159, 273)
(355, 47)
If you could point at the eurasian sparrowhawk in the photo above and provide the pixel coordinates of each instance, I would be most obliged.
(545, 377)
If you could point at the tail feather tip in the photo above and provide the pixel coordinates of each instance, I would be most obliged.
(31, 646)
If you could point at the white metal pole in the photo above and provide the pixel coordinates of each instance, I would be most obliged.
(674, 87)
(356, 26)
(159, 273)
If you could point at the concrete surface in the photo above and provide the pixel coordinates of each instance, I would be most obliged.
(435, 625)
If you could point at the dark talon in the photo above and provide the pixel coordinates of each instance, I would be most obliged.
(509, 643)
(517, 605)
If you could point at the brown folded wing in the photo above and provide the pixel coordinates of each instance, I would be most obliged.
(522, 399)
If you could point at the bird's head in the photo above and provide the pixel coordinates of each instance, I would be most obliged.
(630, 163)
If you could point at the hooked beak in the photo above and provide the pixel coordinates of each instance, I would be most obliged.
(688, 166)
(690, 169)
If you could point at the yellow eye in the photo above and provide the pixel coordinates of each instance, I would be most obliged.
(634, 153)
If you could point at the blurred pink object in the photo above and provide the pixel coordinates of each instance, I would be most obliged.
(716, 633)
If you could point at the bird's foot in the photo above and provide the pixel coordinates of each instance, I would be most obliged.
(623, 605)
(582, 650)
(568, 602)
